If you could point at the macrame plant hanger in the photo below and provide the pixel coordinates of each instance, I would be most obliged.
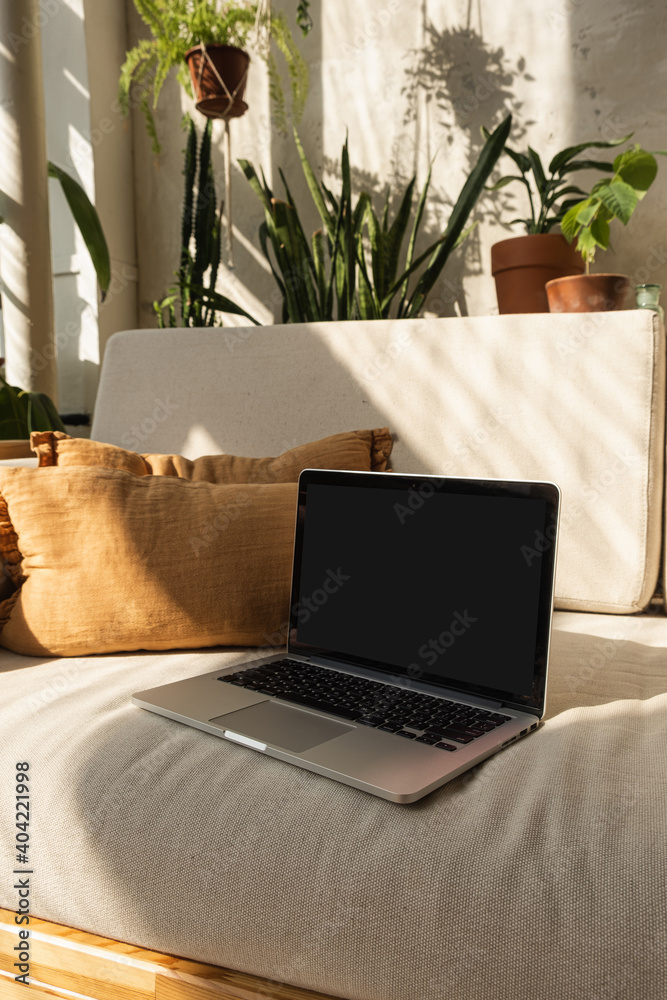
(225, 114)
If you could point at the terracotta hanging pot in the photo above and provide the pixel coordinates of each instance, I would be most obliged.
(588, 293)
(219, 74)
(522, 266)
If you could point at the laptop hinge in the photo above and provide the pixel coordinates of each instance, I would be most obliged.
(528, 709)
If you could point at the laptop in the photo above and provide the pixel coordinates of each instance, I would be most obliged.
(418, 634)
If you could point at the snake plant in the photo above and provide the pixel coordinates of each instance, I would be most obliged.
(193, 300)
(353, 267)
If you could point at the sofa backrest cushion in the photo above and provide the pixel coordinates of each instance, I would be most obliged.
(577, 399)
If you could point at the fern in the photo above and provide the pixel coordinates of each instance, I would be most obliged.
(178, 25)
(296, 66)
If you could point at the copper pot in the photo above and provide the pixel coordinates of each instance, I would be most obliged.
(588, 293)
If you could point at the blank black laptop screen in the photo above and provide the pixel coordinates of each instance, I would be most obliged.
(426, 582)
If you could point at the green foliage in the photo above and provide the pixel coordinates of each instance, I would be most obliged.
(86, 217)
(193, 301)
(615, 197)
(548, 191)
(303, 18)
(351, 268)
(177, 25)
(22, 412)
(88, 221)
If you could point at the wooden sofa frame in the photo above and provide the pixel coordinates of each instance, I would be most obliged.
(66, 962)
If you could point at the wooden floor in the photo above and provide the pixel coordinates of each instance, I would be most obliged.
(66, 962)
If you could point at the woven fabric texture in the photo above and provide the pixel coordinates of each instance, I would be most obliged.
(106, 560)
(359, 451)
(577, 401)
(540, 873)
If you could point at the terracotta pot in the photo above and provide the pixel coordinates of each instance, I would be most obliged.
(523, 265)
(588, 293)
(229, 63)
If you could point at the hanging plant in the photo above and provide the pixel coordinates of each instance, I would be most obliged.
(178, 26)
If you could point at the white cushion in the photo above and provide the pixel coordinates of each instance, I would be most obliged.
(577, 399)
(540, 873)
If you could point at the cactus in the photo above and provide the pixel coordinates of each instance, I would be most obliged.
(193, 300)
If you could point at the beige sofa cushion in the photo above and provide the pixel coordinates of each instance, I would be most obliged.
(578, 399)
(539, 874)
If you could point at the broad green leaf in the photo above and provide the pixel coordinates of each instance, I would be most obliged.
(503, 182)
(396, 234)
(620, 199)
(305, 246)
(296, 268)
(332, 198)
(520, 159)
(13, 413)
(88, 221)
(37, 418)
(253, 180)
(314, 188)
(366, 300)
(538, 170)
(222, 304)
(465, 203)
(349, 248)
(320, 270)
(586, 245)
(378, 248)
(359, 213)
(413, 239)
(263, 242)
(563, 158)
(600, 232)
(637, 168)
(570, 221)
(52, 415)
(587, 212)
(465, 234)
(563, 209)
(590, 165)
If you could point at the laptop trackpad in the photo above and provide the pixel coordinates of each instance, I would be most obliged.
(282, 726)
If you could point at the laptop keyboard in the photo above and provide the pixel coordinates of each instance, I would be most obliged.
(411, 714)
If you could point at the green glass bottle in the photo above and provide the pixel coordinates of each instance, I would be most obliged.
(648, 297)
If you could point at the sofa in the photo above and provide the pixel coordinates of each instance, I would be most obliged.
(539, 873)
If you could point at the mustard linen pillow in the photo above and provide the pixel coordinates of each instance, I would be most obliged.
(359, 451)
(105, 560)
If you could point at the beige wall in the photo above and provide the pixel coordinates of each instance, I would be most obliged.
(416, 80)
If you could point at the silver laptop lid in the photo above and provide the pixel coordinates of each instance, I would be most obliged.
(442, 580)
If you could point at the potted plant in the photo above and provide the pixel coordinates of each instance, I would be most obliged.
(206, 41)
(357, 265)
(22, 412)
(522, 265)
(588, 220)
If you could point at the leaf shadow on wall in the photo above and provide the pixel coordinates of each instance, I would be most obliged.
(455, 84)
